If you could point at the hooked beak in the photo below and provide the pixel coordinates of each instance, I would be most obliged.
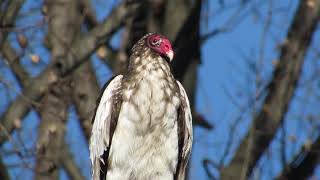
(170, 55)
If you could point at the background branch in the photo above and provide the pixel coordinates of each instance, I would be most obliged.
(280, 90)
(4, 174)
(71, 168)
(84, 47)
(303, 164)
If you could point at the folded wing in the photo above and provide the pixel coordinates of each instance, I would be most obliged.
(185, 133)
(104, 123)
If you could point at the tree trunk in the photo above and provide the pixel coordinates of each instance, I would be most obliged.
(63, 26)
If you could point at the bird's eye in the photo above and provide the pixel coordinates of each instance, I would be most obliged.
(156, 42)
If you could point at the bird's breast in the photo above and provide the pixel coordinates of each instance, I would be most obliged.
(146, 137)
(152, 102)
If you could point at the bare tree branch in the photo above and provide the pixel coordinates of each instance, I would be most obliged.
(4, 174)
(89, 14)
(176, 15)
(7, 18)
(67, 161)
(13, 60)
(104, 52)
(71, 168)
(187, 58)
(108, 55)
(78, 54)
(304, 164)
(85, 94)
(62, 29)
(51, 132)
(280, 90)
(206, 165)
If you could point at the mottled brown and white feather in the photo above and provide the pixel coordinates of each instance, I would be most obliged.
(100, 135)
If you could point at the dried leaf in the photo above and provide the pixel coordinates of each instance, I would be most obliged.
(102, 52)
(17, 123)
(311, 3)
(275, 62)
(52, 77)
(34, 58)
(307, 145)
(52, 128)
(44, 9)
(282, 44)
(22, 40)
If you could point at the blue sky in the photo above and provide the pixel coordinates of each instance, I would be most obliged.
(225, 72)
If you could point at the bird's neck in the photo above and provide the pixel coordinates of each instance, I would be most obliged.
(147, 62)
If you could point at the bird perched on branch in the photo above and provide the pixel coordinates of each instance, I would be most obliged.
(142, 128)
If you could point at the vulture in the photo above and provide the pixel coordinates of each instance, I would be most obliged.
(142, 128)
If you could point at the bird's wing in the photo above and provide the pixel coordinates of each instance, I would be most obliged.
(104, 123)
(185, 134)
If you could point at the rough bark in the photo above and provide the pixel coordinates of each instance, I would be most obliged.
(280, 92)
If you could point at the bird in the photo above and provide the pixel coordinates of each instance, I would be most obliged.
(142, 127)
